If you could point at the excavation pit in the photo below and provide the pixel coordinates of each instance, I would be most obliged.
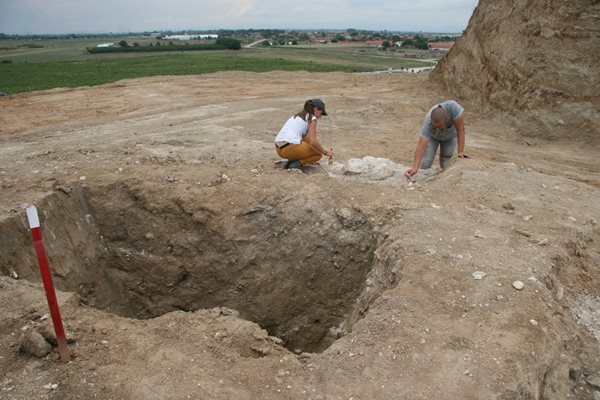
(294, 264)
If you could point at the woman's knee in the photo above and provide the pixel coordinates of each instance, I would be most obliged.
(311, 159)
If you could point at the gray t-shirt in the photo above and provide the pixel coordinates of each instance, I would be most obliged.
(429, 131)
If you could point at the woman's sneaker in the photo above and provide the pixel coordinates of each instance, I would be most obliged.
(293, 164)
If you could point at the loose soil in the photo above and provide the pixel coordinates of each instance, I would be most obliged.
(191, 265)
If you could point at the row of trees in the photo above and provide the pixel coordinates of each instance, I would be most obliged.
(418, 42)
(124, 47)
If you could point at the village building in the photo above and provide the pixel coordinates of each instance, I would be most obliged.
(191, 37)
(440, 47)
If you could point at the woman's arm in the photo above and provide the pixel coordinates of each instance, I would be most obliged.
(311, 137)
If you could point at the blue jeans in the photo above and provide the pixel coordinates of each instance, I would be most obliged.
(447, 148)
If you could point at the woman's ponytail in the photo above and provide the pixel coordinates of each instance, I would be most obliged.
(308, 107)
(307, 112)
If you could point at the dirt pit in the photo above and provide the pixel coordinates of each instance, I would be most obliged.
(191, 265)
(141, 252)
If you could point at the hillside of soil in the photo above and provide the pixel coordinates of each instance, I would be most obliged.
(537, 63)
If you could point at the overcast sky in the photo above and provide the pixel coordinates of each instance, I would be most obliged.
(102, 16)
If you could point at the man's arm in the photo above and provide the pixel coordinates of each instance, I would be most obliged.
(421, 145)
(459, 124)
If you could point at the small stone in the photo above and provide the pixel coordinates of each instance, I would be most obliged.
(263, 350)
(275, 340)
(518, 285)
(594, 380)
(543, 242)
(533, 322)
(260, 334)
(527, 217)
(560, 292)
(499, 297)
(83, 178)
(47, 331)
(32, 342)
(480, 235)
(523, 233)
(63, 189)
(532, 279)
(479, 275)
(508, 206)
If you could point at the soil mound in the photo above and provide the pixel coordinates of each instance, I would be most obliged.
(536, 61)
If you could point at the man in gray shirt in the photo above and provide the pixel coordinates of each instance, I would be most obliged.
(444, 127)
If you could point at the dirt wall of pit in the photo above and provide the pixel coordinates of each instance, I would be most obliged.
(297, 265)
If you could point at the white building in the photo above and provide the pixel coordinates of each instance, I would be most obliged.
(106, 45)
(190, 37)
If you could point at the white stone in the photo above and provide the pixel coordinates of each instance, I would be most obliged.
(479, 275)
(479, 234)
(518, 285)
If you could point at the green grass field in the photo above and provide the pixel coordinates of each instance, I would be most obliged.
(28, 66)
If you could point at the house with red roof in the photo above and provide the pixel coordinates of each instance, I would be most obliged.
(440, 47)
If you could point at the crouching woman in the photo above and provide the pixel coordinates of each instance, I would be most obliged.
(297, 140)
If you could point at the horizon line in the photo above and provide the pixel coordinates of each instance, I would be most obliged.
(234, 29)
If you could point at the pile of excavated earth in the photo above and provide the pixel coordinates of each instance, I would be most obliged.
(190, 264)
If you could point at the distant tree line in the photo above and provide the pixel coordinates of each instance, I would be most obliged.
(355, 34)
(124, 47)
(67, 36)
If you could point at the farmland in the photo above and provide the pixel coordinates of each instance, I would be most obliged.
(28, 65)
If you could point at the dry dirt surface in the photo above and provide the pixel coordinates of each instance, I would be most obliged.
(192, 266)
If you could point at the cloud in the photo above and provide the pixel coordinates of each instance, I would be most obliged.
(66, 16)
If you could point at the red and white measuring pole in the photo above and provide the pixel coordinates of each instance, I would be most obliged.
(36, 231)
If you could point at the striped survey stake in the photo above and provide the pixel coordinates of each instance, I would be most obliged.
(36, 231)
